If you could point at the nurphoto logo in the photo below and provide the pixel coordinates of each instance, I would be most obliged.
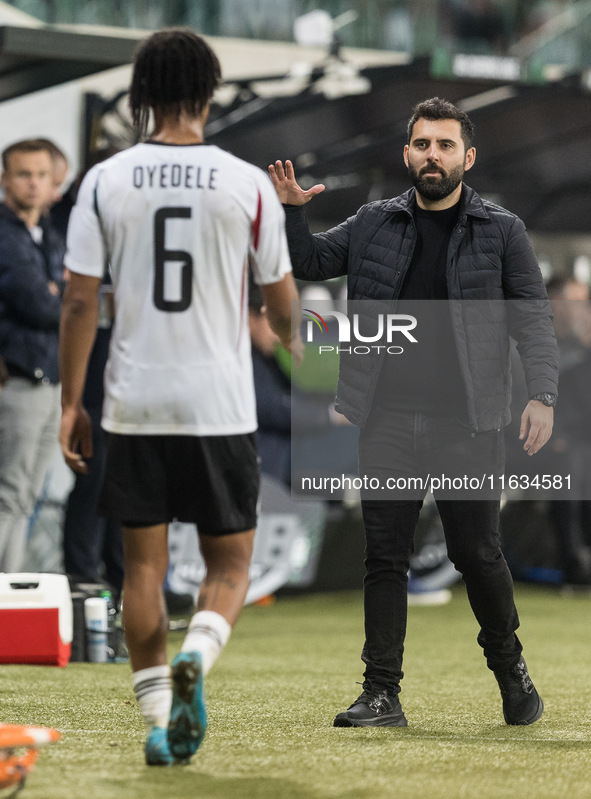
(389, 327)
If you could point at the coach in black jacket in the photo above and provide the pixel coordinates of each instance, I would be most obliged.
(439, 241)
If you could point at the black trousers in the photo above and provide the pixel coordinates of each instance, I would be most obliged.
(403, 445)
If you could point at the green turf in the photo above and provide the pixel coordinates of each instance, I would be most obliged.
(274, 692)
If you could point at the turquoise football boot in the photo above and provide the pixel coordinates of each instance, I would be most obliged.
(188, 719)
(157, 749)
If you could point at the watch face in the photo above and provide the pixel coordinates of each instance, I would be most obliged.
(547, 399)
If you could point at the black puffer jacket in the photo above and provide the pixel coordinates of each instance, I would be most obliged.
(29, 312)
(490, 259)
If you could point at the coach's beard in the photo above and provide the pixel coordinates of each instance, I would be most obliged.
(433, 188)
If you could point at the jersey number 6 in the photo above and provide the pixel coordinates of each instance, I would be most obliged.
(162, 255)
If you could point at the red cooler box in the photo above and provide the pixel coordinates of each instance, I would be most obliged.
(35, 619)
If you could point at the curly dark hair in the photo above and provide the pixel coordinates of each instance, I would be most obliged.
(174, 70)
(436, 108)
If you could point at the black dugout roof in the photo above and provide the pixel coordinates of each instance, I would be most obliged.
(34, 58)
(533, 141)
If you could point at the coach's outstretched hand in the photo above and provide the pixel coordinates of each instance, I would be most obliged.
(286, 186)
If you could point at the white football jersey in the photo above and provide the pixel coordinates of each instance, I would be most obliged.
(177, 225)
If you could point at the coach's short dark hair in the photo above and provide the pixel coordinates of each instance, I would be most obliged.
(174, 69)
(435, 108)
(24, 146)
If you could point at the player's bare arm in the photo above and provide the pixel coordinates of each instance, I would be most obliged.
(77, 333)
(280, 299)
(286, 186)
(536, 426)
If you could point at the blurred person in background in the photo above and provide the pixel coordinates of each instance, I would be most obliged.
(31, 283)
(568, 520)
(286, 414)
(571, 519)
(92, 544)
(572, 318)
(273, 393)
(43, 549)
(61, 169)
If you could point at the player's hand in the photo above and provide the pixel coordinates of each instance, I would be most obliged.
(76, 438)
(536, 426)
(286, 186)
(296, 348)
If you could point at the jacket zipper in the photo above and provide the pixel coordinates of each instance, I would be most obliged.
(457, 236)
(382, 355)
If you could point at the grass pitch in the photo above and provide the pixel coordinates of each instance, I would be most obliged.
(286, 672)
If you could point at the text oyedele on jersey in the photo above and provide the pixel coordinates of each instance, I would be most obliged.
(172, 176)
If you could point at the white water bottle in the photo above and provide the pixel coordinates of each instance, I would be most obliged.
(95, 618)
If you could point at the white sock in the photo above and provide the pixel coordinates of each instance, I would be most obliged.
(153, 691)
(208, 634)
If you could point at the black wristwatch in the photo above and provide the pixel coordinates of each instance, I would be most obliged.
(546, 399)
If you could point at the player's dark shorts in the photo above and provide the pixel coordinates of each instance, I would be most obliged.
(210, 481)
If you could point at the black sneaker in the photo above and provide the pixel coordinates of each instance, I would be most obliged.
(374, 708)
(521, 702)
